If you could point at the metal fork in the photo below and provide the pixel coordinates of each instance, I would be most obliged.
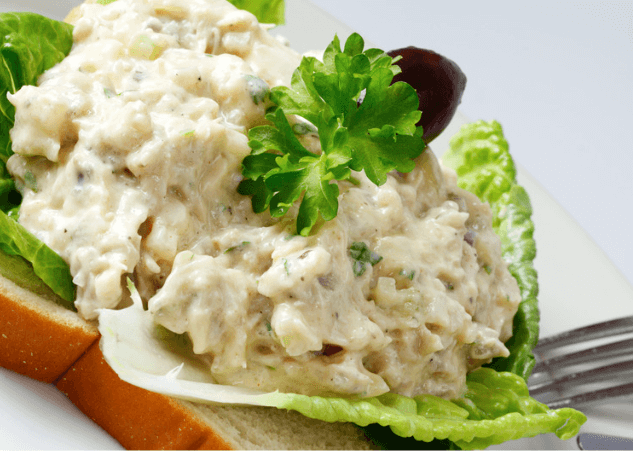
(571, 378)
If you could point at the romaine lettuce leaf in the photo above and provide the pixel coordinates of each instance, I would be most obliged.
(29, 45)
(20, 271)
(48, 265)
(480, 155)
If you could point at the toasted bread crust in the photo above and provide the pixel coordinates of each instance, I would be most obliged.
(138, 419)
(38, 338)
(46, 342)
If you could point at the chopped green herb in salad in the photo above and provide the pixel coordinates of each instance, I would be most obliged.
(362, 256)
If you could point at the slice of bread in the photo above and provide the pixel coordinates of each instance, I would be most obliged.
(39, 338)
(47, 342)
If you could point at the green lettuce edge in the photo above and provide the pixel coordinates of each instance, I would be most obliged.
(496, 408)
(30, 44)
(479, 154)
(45, 263)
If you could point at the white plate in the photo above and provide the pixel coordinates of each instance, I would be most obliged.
(574, 276)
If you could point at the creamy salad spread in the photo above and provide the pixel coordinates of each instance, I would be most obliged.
(129, 156)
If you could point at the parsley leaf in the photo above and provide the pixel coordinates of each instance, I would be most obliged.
(364, 123)
(361, 256)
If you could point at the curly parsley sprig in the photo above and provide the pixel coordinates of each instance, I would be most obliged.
(377, 134)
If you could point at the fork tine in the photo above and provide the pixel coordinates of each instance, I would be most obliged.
(599, 330)
(613, 370)
(611, 350)
(545, 371)
(590, 397)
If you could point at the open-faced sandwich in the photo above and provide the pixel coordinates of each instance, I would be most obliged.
(208, 241)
